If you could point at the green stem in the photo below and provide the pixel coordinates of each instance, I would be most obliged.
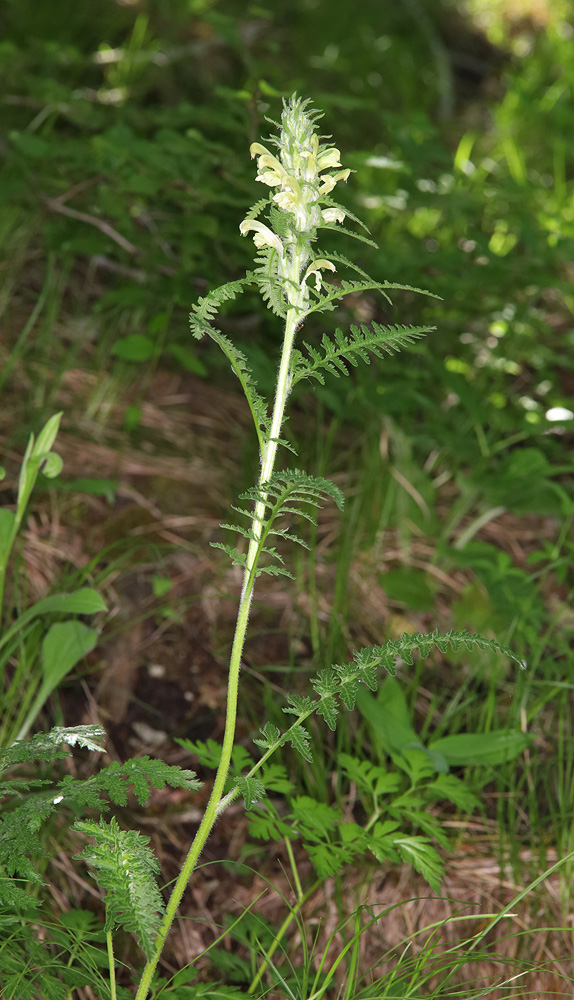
(297, 299)
(111, 964)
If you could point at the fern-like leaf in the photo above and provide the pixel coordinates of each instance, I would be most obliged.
(257, 208)
(241, 369)
(125, 867)
(271, 737)
(204, 310)
(342, 350)
(418, 852)
(291, 492)
(300, 741)
(402, 649)
(294, 486)
(267, 277)
(52, 745)
(338, 228)
(330, 298)
(237, 558)
(140, 773)
(252, 790)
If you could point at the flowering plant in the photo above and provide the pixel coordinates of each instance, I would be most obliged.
(290, 274)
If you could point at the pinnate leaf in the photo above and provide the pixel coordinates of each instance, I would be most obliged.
(125, 867)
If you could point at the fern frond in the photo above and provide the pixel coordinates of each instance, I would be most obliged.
(141, 773)
(328, 301)
(52, 745)
(338, 228)
(267, 278)
(125, 867)
(241, 369)
(343, 350)
(257, 208)
(237, 558)
(401, 650)
(204, 310)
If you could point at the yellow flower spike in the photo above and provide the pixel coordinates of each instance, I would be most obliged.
(264, 237)
(315, 270)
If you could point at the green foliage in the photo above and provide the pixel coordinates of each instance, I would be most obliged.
(343, 350)
(157, 158)
(286, 493)
(203, 312)
(26, 689)
(125, 867)
(29, 804)
(341, 682)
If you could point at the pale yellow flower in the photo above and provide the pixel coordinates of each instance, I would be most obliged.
(263, 236)
(333, 215)
(315, 270)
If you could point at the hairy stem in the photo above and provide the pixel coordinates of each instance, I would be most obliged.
(112, 965)
(297, 300)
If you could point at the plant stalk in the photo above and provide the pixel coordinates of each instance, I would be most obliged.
(297, 301)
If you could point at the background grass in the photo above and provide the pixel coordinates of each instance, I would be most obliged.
(125, 174)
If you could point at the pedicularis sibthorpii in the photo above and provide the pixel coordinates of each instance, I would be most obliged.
(299, 172)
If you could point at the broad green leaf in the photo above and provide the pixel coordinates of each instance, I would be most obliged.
(410, 587)
(476, 749)
(136, 347)
(80, 602)
(187, 359)
(388, 716)
(64, 645)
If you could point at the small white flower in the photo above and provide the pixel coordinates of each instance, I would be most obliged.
(333, 215)
(315, 270)
(329, 158)
(263, 236)
(269, 170)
